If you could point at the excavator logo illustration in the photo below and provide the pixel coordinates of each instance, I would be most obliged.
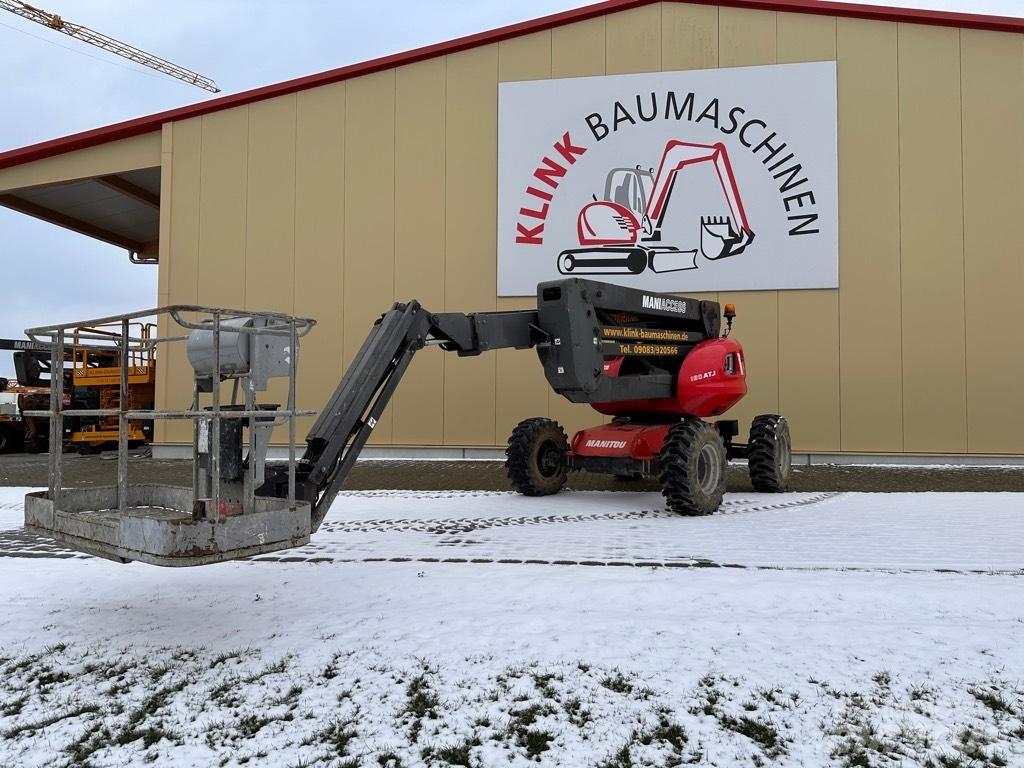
(621, 234)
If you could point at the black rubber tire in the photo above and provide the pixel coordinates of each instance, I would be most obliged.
(36, 446)
(5, 440)
(693, 468)
(535, 460)
(769, 454)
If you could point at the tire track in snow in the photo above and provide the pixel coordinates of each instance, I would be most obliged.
(17, 542)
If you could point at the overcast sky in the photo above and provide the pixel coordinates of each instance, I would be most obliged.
(52, 85)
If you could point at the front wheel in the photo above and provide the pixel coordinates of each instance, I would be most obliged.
(692, 463)
(769, 454)
(535, 460)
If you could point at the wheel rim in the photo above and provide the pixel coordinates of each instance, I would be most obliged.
(709, 469)
(785, 456)
(549, 459)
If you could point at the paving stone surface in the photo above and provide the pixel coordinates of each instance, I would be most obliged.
(25, 470)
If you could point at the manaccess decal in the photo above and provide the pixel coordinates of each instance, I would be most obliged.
(721, 179)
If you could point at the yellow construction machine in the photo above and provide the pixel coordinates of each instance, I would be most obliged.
(92, 377)
(96, 381)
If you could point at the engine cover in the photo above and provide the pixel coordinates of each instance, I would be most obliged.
(711, 379)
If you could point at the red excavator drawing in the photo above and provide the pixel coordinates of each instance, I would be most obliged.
(620, 233)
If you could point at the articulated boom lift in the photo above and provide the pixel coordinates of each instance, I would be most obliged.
(656, 363)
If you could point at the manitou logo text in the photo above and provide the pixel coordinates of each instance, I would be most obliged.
(664, 304)
(606, 444)
(705, 375)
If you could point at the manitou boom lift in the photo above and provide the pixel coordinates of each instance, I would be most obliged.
(654, 362)
(18, 432)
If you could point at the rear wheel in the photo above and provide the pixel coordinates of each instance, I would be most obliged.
(769, 454)
(36, 446)
(693, 468)
(536, 457)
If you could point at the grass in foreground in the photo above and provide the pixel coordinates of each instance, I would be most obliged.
(72, 707)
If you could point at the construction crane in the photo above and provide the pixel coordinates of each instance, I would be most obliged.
(77, 31)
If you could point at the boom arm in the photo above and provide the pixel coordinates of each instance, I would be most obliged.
(577, 325)
(345, 424)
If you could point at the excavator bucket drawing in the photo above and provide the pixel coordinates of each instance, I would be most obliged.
(718, 237)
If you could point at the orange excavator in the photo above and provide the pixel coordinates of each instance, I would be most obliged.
(621, 234)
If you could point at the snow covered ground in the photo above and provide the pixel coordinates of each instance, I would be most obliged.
(486, 629)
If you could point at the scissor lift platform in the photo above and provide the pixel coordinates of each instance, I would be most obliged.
(159, 527)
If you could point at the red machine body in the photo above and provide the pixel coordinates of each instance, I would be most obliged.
(711, 379)
(621, 441)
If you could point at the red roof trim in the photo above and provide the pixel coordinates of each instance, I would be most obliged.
(150, 123)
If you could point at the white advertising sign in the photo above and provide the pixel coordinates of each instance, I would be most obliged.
(706, 180)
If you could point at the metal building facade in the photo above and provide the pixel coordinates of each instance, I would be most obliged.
(337, 198)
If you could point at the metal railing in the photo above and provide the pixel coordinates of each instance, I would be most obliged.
(115, 333)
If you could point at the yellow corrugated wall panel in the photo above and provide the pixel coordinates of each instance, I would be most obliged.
(809, 320)
(270, 220)
(746, 38)
(471, 131)
(182, 263)
(871, 347)
(222, 215)
(163, 268)
(419, 240)
(521, 390)
(993, 162)
(689, 36)
(577, 50)
(319, 242)
(633, 40)
(931, 236)
(369, 212)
